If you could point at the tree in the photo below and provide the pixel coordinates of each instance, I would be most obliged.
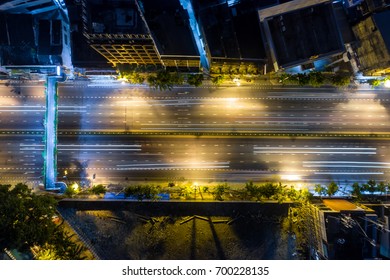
(382, 187)
(141, 192)
(321, 190)
(371, 186)
(218, 80)
(25, 218)
(219, 191)
(303, 79)
(98, 189)
(340, 80)
(253, 190)
(316, 79)
(356, 190)
(332, 188)
(268, 190)
(164, 80)
(70, 191)
(61, 247)
(176, 79)
(375, 82)
(195, 80)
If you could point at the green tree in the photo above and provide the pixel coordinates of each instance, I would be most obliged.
(302, 79)
(61, 247)
(340, 80)
(141, 192)
(332, 188)
(25, 218)
(356, 190)
(371, 186)
(253, 191)
(98, 189)
(316, 79)
(218, 80)
(195, 80)
(374, 82)
(219, 191)
(382, 187)
(177, 79)
(70, 191)
(321, 190)
(164, 80)
(268, 190)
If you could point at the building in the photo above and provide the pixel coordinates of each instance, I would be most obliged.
(148, 32)
(170, 27)
(373, 44)
(117, 31)
(300, 32)
(371, 6)
(340, 229)
(38, 25)
(232, 34)
(28, 7)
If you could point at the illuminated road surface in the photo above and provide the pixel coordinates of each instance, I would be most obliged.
(224, 110)
(119, 159)
(123, 159)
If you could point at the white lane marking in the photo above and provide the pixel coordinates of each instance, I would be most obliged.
(349, 173)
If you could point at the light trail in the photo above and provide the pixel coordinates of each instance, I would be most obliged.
(86, 147)
(351, 162)
(348, 173)
(170, 166)
(313, 150)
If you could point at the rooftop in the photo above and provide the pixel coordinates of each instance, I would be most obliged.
(298, 33)
(382, 23)
(232, 30)
(113, 17)
(340, 205)
(169, 24)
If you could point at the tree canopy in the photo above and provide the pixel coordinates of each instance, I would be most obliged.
(25, 218)
(195, 80)
(164, 80)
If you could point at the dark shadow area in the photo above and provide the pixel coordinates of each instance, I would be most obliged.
(193, 241)
(71, 170)
(152, 234)
(218, 245)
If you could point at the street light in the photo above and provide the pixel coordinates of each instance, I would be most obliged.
(237, 81)
(387, 83)
(195, 186)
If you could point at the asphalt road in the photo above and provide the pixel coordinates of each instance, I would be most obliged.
(233, 109)
(118, 159)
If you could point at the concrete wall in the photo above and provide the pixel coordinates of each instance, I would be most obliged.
(180, 208)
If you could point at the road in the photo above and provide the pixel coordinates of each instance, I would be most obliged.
(116, 159)
(234, 109)
(119, 159)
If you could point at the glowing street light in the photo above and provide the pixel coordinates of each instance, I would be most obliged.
(195, 186)
(291, 177)
(75, 187)
(237, 81)
(387, 83)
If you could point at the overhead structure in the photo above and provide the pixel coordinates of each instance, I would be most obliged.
(51, 116)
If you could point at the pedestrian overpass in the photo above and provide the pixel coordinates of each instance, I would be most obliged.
(50, 139)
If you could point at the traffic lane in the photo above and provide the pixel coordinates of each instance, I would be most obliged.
(28, 89)
(305, 159)
(355, 115)
(101, 89)
(21, 159)
(30, 117)
(94, 90)
(22, 121)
